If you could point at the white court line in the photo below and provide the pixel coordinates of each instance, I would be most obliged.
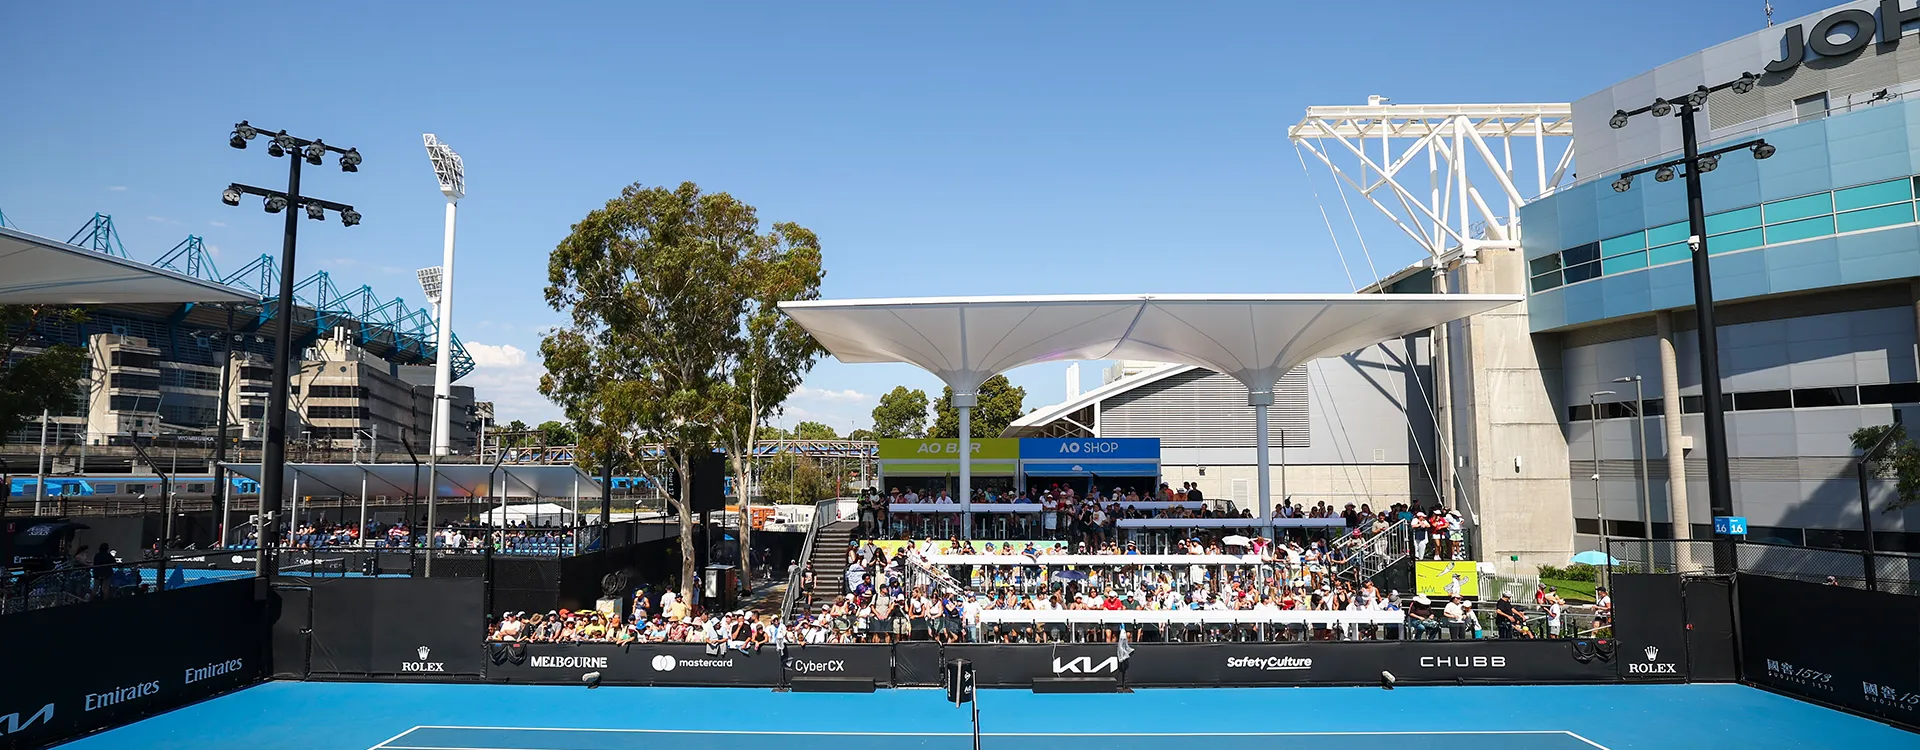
(391, 739)
(764, 732)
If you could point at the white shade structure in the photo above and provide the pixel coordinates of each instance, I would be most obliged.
(1253, 338)
(39, 271)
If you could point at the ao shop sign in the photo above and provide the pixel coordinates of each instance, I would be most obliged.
(1081, 449)
(1844, 32)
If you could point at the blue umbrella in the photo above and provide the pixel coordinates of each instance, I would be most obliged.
(1069, 575)
(1594, 557)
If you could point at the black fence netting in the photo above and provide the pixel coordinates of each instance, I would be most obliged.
(1892, 572)
(1832, 644)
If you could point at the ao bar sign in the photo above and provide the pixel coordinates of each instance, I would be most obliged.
(983, 448)
(1854, 27)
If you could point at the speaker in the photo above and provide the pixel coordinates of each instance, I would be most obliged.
(708, 488)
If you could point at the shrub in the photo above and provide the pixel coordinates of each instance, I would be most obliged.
(1575, 572)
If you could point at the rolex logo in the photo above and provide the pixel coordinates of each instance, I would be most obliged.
(1653, 652)
(425, 651)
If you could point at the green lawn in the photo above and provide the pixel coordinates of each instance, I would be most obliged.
(1572, 591)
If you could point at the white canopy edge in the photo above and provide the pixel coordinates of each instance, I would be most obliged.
(1051, 561)
(35, 270)
(1195, 616)
(454, 480)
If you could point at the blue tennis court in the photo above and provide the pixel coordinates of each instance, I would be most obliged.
(360, 716)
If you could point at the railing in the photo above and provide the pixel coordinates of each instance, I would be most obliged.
(1894, 572)
(1370, 554)
(22, 590)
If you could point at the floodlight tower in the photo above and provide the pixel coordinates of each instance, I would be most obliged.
(448, 169)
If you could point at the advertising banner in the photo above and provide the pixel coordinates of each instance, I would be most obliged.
(671, 664)
(1410, 662)
(1434, 577)
(828, 662)
(1832, 644)
(1650, 627)
(191, 644)
(1016, 666)
(419, 628)
(1089, 449)
(1001, 449)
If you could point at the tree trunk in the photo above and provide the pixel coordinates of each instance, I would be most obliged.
(689, 574)
(746, 516)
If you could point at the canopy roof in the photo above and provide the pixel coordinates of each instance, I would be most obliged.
(39, 271)
(1254, 338)
(455, 480)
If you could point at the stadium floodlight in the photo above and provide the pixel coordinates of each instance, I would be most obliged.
(1709, 163)
(1663, 174)
(1619, 120)
(1763, 150)
(430, 282)
(1744, 83)
(1623, 184)
(273, 454)
(350, 161)
(450, 172)
(1698, 98)
(1661, 108)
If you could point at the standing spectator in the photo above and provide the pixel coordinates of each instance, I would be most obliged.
(1506, 616)
(1456, 613)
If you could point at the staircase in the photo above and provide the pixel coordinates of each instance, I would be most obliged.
(829, 559)
(1374, 553)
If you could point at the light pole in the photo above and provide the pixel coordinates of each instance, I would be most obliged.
(273, 449)
(1593, 436)
(451, 173)
(1719, 479)
(1640, 425)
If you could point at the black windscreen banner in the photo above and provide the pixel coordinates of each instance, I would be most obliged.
(839, 662)
(916, 664)
(191, 644)
(420, 628)
(1650, 627)
(1832, 644)
(675, 664)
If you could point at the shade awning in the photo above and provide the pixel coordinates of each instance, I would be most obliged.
(1064, 469)
(39, 271)
(453, 480)
(1254, 338)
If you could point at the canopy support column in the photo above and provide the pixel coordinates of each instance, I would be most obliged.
(360, 534)
(1260, 400)
(965, 403)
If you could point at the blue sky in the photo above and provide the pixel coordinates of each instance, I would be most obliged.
(938, 148)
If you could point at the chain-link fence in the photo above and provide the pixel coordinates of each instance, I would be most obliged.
(1893, 572)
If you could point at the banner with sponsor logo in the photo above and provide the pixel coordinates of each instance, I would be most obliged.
(1440, 578)
(676, 664)
(1832, 644)
(192, 643)
(1320, 663)
(416, 628)
(826, 662)
(1650, 627)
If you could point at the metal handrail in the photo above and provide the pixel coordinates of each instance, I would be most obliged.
(822, 509)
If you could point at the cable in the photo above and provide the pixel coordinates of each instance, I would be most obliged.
(1321, 204)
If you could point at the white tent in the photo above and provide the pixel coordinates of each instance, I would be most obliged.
(531, 514)
(36, 270)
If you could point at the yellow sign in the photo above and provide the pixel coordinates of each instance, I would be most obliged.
(907, 449)
(1436, 577)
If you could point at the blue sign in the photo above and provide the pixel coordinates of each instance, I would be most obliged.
(1733, 525)
(1089, 449)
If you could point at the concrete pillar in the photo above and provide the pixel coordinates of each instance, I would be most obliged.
(1670, 412)
(1442, 403)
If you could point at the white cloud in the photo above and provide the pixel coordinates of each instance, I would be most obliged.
(503, 355)
(213, 250)
(118, 188)
(845, 396)
(161, 220)
(217, 223)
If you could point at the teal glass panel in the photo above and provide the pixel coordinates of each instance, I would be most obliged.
(1737, 219)
(1742, 240)
(1873, 218)
(1623, 244)
(1797, 208)
(1877, 194)
(1669, 253)
(1819, 226)
(1623, 263)
(1667, 235)
(1547, 281)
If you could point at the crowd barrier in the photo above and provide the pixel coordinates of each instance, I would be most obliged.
(1025, 666)
(83, 668)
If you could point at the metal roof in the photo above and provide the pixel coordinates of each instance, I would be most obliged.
(1254, 338)
(39, 271)
(454, 480)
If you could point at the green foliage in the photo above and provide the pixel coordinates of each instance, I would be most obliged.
(555, 432)
(45, 381)
(901, 413)
(1899, 459)
(1576, 572)
(814, 431)
(999, 404)
(792, 479)
(860, 435)
(670, 300)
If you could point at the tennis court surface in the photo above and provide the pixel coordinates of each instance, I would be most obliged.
(362, 716)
